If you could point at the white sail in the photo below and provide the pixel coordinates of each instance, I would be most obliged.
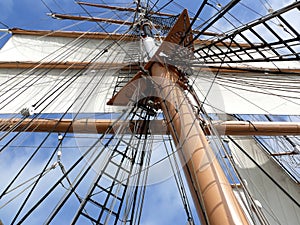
(236, 94)
(33, 48)
(228, 94)
(57, 91)
(27, 87)
(268, 184)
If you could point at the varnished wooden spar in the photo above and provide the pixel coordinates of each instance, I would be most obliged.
(246, 128)
(126, 9)
(80, 126)
(134, 10)
(67, 65)
(238, 128)
(74, 34)
(92, 19)
(114, 21)
(99, 35)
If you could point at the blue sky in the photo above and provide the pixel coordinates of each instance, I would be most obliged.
(31, 14)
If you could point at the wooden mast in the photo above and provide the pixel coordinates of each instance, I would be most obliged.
(210, 188)
(204, 174)
(211, 191)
